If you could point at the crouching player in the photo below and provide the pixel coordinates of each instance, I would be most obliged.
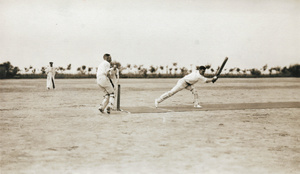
(106, 84)
(187, 82)
(115, 76)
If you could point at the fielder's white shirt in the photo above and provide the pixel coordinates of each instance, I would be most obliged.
(194, 77)
(103, 68)
(50, 71)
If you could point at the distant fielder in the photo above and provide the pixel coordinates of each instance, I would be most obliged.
(106, 84)
(187, 82)
(50, 76)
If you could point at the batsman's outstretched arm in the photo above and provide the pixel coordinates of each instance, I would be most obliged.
(212, 80)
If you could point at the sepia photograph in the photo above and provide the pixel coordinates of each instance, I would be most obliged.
(149, 86)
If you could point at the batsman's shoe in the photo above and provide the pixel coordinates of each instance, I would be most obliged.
(197, 106)
(108, 109)
(101, 109)
(156, 103)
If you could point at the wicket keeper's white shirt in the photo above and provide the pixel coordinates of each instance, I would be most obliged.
(194, 77)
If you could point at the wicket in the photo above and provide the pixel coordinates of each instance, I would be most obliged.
(118, 98)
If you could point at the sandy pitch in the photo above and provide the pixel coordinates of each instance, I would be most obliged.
(62, 131)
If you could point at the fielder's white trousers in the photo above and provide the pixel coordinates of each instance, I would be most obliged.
(50, 81)
(181, 84)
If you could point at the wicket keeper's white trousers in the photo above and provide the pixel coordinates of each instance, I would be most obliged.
(181, 84)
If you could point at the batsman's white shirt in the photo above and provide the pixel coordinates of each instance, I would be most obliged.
(194, 77)
(103, 68)
(102, 79)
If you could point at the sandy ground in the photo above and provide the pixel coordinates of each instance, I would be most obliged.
(62, 131)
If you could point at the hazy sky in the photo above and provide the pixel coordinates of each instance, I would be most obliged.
(251, 33)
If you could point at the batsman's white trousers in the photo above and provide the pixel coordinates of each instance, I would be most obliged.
(181, 84)
(105, 84)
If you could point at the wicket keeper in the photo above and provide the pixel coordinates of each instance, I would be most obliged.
(115, 76)
(106, 84)
(187, 82)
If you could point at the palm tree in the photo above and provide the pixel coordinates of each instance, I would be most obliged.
(83, 67)
(79, 70)
(207, 66)
(135, 69)
(90, 69)
(265, 67)
(175, 67)
(277, 69)
(152, 69)
(255, 72)
(140, 67)
(43, 69)
(61, 69)
(270, 70)
(183, 70)
(69, 67)
(143, 71)
(161, 69)
(294, 70)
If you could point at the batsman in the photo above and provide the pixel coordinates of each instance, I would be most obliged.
(188, 81)
(106, 84)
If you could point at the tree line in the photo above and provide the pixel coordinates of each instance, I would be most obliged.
(7, 70)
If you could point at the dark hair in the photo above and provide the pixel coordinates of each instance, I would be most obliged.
(202, 67)
(106, 55)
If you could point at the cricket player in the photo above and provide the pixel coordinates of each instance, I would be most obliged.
(187, 82)
(50, 71)
(115, 76)
(106, 84)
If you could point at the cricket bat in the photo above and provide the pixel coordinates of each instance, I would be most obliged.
(222, 66)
